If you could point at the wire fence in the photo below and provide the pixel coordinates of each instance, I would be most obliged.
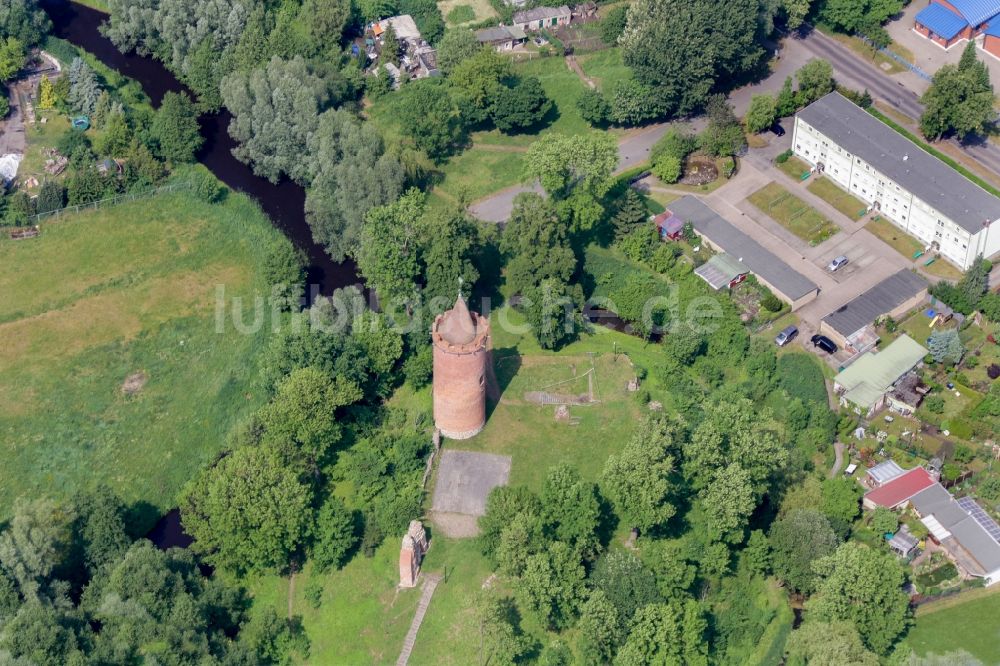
(898, 58)
(113, 201)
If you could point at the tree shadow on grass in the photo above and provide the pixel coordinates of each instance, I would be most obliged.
(506, 362)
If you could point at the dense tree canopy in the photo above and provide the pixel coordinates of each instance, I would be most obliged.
(23, 20)
(960, 99)
(641, 480)
(681, 49)
(352, 173)
(275, 115)
(865, 587)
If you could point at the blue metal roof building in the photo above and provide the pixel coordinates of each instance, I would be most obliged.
(975, 12)
(941, 21)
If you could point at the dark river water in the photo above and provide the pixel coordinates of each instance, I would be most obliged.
(283, 202)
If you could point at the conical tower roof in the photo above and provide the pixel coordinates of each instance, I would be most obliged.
(457, 325)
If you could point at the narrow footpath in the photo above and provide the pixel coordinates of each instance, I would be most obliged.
(430, 584)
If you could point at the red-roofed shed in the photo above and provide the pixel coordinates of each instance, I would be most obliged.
(670, 225)
(898, 492)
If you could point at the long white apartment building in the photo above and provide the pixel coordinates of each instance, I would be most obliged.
(916, 191)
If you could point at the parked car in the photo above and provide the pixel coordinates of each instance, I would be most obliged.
(837, 263)
(777, 129)
(824, 343)
(787, 335)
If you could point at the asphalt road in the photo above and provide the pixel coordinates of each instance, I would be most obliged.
(854, 72)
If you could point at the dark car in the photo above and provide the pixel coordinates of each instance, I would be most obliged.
(824, 343)
(777, 129)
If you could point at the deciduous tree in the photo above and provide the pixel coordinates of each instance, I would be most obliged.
(761, 114)
(388, 256)
(640, 480)
(352, 173)
(864, 587)
(797, 540)
(248, 512)
(276, 111)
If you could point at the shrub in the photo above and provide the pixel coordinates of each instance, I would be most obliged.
(934, 404)
(206, 186)
(314, 592)
(993, 371)
(783, 157)
(800, 376)
(613, 24)
(770, 302)
(593, 107)
(971, 361)
(667, 168)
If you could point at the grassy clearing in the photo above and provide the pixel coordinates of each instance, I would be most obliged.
(605, 68)
(516, 426)
(460, 12)
(105, 294)
(900, 241)
(844, 201)
(478, 172)
(792, 213)
(793, 167)
(495, 160)
(39, 137)
(958, 624)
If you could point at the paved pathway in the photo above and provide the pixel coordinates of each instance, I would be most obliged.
(430, 584)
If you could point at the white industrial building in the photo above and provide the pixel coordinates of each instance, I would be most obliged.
(914, 190)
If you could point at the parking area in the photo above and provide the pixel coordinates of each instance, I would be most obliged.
(860, 256)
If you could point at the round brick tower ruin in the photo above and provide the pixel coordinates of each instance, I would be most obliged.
(461, 342)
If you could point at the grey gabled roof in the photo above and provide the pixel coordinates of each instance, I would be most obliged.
(967, 532)
(881, 299)
(541, 13)
(760, 261)
(496, 34)
(927, 177)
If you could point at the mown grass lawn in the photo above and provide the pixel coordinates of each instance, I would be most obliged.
(106, 294)
(793, 167)
(964, 622)
(459, 12)
(845, 202)
(605, 68)
(792, 213)
(898, 239)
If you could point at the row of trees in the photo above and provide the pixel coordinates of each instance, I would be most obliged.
(76, 587)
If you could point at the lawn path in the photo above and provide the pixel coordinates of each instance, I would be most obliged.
(575, 66)
(838, 462)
